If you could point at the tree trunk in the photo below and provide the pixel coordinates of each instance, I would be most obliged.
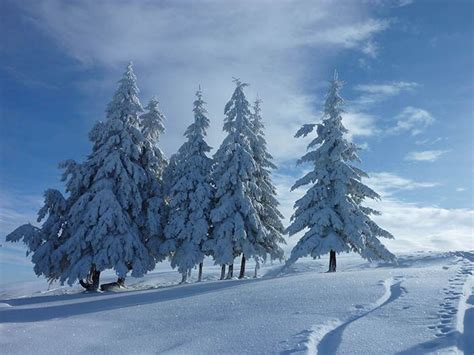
(121, 281)
(200, 272)
(184, 277)
(332, 261)
(92, 281)
(231, 272)
(257, 266)
(95, 280)
(113, 285)
(222, 272)
(189, 272)
(242, 268)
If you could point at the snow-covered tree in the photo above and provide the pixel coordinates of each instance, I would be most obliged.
(331, 211)
(237, 228)
(269, 213)
(43, 242)
(155, 165)
(112, 218)
(168, 175)
(190, 196)
(107, 221)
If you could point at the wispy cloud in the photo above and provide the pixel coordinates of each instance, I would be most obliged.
(388, 184)
(429, 141)
(426, 155)
(176, 47)
(373, 93)
(16, 208)
(413, 119)
(27, 80)
(359, 124)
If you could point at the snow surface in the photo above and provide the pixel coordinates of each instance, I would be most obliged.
(424, 304)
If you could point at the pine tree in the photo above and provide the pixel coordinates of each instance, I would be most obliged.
(42, 242)
(190, 196)
(155, 165)
(110, 219)
(237, 228)
(332, 210)
(269, 213)
(107, 222)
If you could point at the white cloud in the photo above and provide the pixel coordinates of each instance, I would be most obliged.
(413, 119)
(17, 208)
(460, 189)
(417, 227)
(373, 93)
(429, 141)
(359, 124)
(426, 155)
(425, 227)
(177, 46)
(387, 184)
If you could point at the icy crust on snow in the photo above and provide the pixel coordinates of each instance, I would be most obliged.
(362, 309)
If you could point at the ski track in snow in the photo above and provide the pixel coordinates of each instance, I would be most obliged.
(325, 339)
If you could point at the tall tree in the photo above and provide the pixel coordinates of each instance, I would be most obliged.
(269, 213)
(332, 210)
(190, 196)
(155, 165)
(101, 225)
(236, 223)
(107, 222)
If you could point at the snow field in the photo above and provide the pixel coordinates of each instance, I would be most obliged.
(362, 309)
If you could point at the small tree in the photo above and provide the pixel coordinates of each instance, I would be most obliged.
(331, 210)
(236, 223)
(190, 196)
(43, 242)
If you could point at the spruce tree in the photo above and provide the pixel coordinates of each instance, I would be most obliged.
(103, 223)
(43, 242)
(237, 228)
(331, 211)
(269, 214)
(155, 165)
(190, 196)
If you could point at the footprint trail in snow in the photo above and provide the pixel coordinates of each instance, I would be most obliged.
(457, 301)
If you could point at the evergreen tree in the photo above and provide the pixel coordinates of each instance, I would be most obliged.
(103, 223)
(107, 222)
(331, 210)
(237, 228)
(190, 196)
(155, 165)
(42, 242)
(269, 213)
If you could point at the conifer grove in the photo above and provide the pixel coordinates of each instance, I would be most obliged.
(126, 207)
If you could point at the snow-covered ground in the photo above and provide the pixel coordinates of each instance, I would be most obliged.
(422, 305)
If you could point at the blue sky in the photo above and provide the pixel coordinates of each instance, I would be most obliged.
(408, 66)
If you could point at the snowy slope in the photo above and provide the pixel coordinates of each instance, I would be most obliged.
(422, 305)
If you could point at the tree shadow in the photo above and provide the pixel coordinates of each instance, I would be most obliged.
(108, 301)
